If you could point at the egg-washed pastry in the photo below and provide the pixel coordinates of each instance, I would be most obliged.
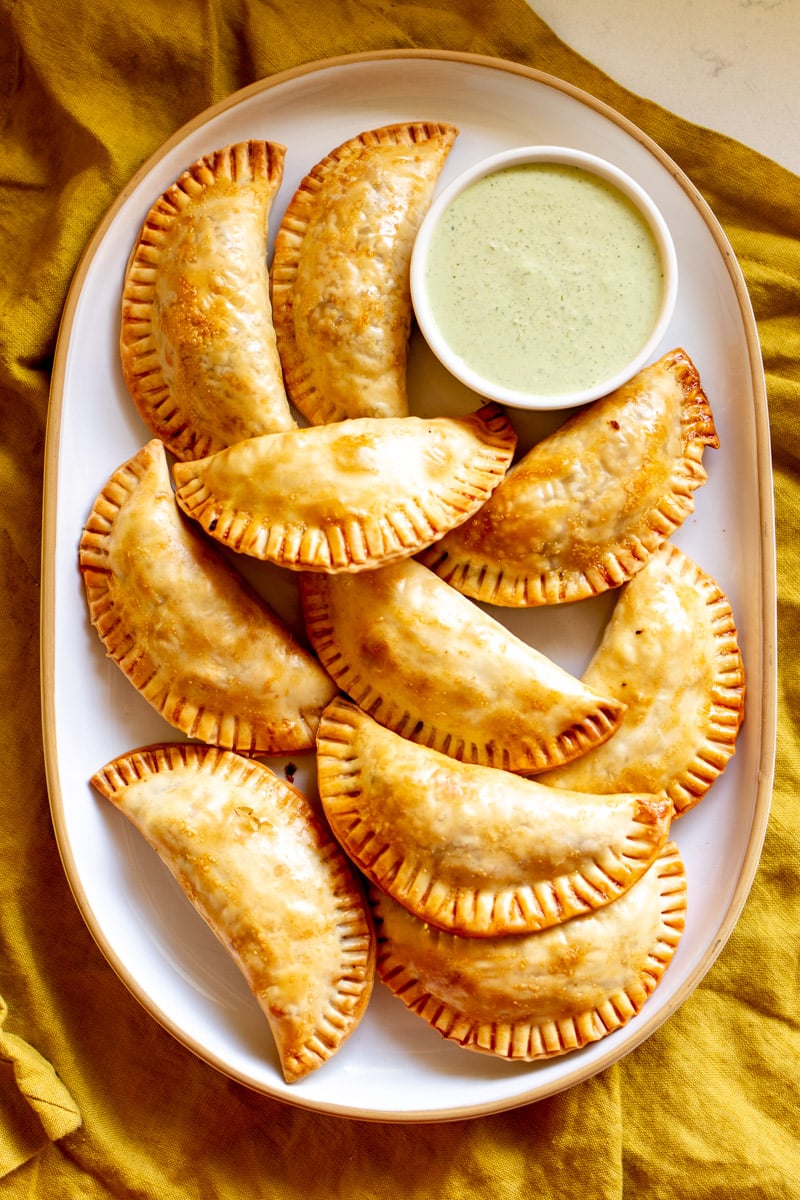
(206, 652)
(584, 509)
(471, 849)
(432, 666)
(260, 867)
(537, 995)
(340, 271)
(670, 651)
(350, 495)
(198, 347)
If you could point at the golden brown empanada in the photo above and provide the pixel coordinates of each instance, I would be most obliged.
(351, 495)
(472, 849)
(432, 666)
(199, 644)
(261, 868)
(340, 271)
(670, 652)
(584, 509)
(198, 345)
(531, 996)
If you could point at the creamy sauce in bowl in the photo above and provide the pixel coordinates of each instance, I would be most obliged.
(541, 280)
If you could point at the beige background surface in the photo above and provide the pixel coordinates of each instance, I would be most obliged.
(730, 65)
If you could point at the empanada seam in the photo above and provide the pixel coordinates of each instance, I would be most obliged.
(498, 583)
(410, 881)
(153, 679)
(353, 982)
(354, 540)
(254, 161)
(528, 1040)
(309, 394)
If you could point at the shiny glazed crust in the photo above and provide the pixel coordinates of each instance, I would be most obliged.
(202, 648)
(471, 849)
(586, 507)
(340, 271)
(351, 495)
(198, 347)
(542, 994)
(260, 867)
(671, 651)
(429, 664)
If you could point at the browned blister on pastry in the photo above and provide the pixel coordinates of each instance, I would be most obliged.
(351, 495)
(584, 509)
(340, 271)
(198, 347)
(471, 849)
(206, 652)
(532, 996)
(259, 865)
(671, 652)
(431, 665)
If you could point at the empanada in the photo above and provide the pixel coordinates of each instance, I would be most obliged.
(429, 664)
(261, 868)
(209, 655)
(351, 495)
(537, 995)
(584, 509)
(340, 271)
(471, 849)
(198, 347)
(670, 652)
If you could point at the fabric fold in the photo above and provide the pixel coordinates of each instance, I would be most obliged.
(51, 1112)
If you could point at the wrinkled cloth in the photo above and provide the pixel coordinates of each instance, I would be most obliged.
(96, 1100)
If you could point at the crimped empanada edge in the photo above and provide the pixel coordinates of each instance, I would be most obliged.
(355, 543)
(493, 584)
(257, 161)
(523, 1041)
(479, 911)
(219, 727)
(726, 689)
(313, 403)
(530, 755)
(353, 986)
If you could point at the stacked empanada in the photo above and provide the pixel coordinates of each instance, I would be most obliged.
(509, 823)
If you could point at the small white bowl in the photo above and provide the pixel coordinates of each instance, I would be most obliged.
(469, 274)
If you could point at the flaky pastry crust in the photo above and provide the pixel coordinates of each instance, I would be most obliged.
(351, 495)
(261, 868)
(670, 651)
(471, 849)
(532, 996)
(340, 271)
(431, 665)
(197, 342)
(585, 508)
(199, 644)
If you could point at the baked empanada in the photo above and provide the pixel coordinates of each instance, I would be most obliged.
(209, 655)
(471, 849)
(584, 509)
(537, 995)
(261, 868)
(340, 271)
(670, 652)
(351, 495)
(198, 347)
(434, 667)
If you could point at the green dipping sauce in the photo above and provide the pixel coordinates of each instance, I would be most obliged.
(544, 278)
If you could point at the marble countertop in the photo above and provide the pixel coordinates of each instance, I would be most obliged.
(729, 65)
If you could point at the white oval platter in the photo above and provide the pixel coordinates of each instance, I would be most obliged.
(394, 1067)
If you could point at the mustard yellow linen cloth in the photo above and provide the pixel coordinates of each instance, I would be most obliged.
(96, 1100)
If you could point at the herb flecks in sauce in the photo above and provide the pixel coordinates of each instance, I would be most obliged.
(544, 278)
